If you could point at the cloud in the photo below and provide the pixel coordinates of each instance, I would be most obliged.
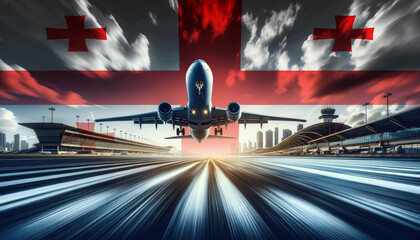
(115, 53)
(173, 4)
(315, 54)
(16, 82)
(395, 40)
(201, 15)
(234, 76)
(394, 48)
(152, 17)
(256, 52)
(8, 121)
(355, 114)
(27, 138)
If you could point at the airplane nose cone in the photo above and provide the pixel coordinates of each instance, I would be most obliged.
(199, 135)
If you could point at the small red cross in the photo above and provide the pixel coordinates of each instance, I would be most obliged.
(343, 33)
(76, 33)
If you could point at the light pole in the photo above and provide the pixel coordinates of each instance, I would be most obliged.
(387, 95)
(107, 127)
(100, 127)
(88, 120)
(114, 132)
(134, 137)
(77, 119)
(52, 113)
(130, 136)
(121, 133)
(125, 135)
(43, 119)
(365, 105)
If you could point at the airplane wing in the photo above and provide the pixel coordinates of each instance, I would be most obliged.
(219, 118)
(180, 116)
(209, 137)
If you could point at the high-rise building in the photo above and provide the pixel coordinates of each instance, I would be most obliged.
(259, 139)
(8, 146)
(17, 144)
(268, 138)
(24, 144)
(276, 136)
(299, 127)
(245, 148)
(250, 148)
(286, 134)
(2, 141)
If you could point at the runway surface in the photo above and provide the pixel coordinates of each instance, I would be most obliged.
(209, 198)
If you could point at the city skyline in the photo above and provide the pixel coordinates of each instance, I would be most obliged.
(10, 115)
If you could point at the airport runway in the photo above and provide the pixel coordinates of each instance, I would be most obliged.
(209, 198)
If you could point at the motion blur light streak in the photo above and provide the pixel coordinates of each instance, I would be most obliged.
(243, 220)
(124, 197)
(188, 219)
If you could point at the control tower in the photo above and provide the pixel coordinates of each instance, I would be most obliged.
(328, 114)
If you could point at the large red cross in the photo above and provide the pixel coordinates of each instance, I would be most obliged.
(343, 34)
(76, 33)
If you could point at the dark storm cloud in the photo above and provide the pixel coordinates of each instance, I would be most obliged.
(357, 119)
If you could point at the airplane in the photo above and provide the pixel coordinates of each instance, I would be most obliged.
(199, 114)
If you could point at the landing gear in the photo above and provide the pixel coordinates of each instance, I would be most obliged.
(178, 131)
(218, 130)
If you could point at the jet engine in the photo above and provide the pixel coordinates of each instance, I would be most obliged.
(165, 111)
(233, 111)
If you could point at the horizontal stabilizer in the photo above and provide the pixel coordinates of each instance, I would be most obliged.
(220, 137)
(180, 137)
(209, 137)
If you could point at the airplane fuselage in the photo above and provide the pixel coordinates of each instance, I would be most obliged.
(199, 83)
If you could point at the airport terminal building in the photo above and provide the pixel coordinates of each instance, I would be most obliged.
(62, 138)
(398, 133)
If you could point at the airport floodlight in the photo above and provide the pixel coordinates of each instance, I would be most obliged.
(107, 127)
(365, 105)
(52, 113)
(88, 120)
(120, 133)
(77, 119)
(100, 127)
(43, 119)
(387, 95)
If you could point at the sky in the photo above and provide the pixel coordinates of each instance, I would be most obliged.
(260, 52)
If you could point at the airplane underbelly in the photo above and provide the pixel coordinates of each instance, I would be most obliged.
(200, 135)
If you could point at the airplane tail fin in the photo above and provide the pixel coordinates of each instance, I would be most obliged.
(209, 137)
